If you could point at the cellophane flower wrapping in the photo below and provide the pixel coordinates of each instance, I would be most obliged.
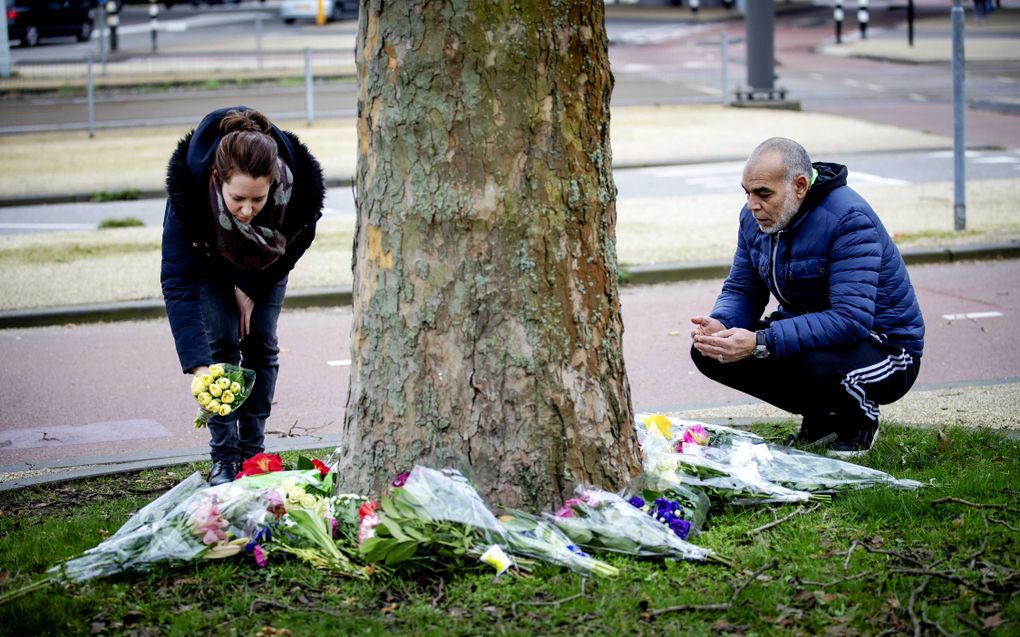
(221, 391)
(726, 468)
(531, 536)
(740, 466)
(598, 520)
(191, 521)
(430, 514)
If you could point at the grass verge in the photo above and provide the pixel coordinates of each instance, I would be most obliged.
(943, 559)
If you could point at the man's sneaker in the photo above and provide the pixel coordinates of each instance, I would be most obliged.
(811, 435)
(857, 444)
(223, 471)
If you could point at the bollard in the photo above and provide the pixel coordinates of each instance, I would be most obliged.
(837, 15)
(112, 22)
(910, 22)
(694, 5)
(153, 22)
(863, 17)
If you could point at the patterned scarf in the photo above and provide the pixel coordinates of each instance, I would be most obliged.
(252, 246)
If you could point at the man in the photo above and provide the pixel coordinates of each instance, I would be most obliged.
(848, 334)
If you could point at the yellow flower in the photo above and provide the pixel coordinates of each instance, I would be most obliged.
(213, 406)
(224, 410)
(221, 550)
(215, 390)
(206, 379)
(226, 398)
(224, 383)
(660, 422)
(216, 371)
(196, 386)
(235, 388)
(204, 398)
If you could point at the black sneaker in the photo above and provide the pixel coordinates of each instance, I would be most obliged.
(857, 444)
(223, 471)
(811, 435)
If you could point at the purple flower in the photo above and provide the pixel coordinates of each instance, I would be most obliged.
(681, 527)
(573, 548)
(637, 501)
(401, 479)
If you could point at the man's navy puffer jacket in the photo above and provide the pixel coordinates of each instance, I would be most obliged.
(834, 270)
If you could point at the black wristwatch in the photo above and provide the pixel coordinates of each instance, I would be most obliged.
(761, 349)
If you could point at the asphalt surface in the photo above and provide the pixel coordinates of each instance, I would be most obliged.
(110, 395)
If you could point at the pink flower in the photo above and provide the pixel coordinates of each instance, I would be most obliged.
(207, 523)
(567, 510)
(367, 527)
(260, 556)
(697, 435)
(401, 479)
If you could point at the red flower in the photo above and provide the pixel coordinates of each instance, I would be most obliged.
(262, 463)
(367, 509)
(321, 466)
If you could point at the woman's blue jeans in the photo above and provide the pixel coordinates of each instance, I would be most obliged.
(241, 435)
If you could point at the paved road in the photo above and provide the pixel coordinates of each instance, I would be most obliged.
(98, 390)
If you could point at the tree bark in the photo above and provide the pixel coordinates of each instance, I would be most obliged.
(487, 334)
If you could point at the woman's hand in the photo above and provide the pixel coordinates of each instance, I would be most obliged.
(244, 307)
(201, 369)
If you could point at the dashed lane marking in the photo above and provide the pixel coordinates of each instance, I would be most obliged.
(973, 316)
(339, 363)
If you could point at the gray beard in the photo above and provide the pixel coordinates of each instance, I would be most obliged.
(790, 208)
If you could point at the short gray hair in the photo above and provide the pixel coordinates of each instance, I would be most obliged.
(794, 157)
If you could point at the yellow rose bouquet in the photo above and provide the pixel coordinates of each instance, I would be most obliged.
(220, 391)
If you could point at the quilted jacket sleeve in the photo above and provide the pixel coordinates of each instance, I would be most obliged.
(744, 294)
(179, 278)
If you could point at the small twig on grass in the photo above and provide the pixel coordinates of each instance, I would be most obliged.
(439, 595)
(268, 602)
(913, 600)
(841, 580)
(849, 554)
(946, 575)
(1004, 523)
(975, 505)
(724, 606)
(972, 558)
(557, 602)
(796, 512)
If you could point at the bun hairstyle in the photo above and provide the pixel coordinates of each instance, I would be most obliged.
(246, 147)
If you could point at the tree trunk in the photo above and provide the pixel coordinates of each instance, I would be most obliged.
(487, 334)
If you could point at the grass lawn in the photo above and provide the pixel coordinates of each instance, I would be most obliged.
(941, 560)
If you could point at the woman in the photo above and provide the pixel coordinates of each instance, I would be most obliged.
(243, 201)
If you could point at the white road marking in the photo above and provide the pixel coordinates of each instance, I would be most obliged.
(1000, 159)
(917, 97)
(339, 363)
(857, 177)
(876, 87)
(971, 315)
(850, 82)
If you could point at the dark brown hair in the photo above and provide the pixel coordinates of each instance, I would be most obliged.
(246, 147)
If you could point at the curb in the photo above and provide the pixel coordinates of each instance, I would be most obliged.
(343, 296)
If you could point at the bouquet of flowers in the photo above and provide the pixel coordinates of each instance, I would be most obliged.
(742, 468)
(531, 536)
(428, 514)
(221, 390)
(191, 521)
(599, 520)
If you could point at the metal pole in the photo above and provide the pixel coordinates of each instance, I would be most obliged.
(309, 97)
(90, 96)
(910, 22)
(5, 44)
(102, 35)
(760, 46)
(959, 141)
(724, 43)
(258, 39)
(154, 23)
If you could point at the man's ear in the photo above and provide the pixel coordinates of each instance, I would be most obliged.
(800, 185)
